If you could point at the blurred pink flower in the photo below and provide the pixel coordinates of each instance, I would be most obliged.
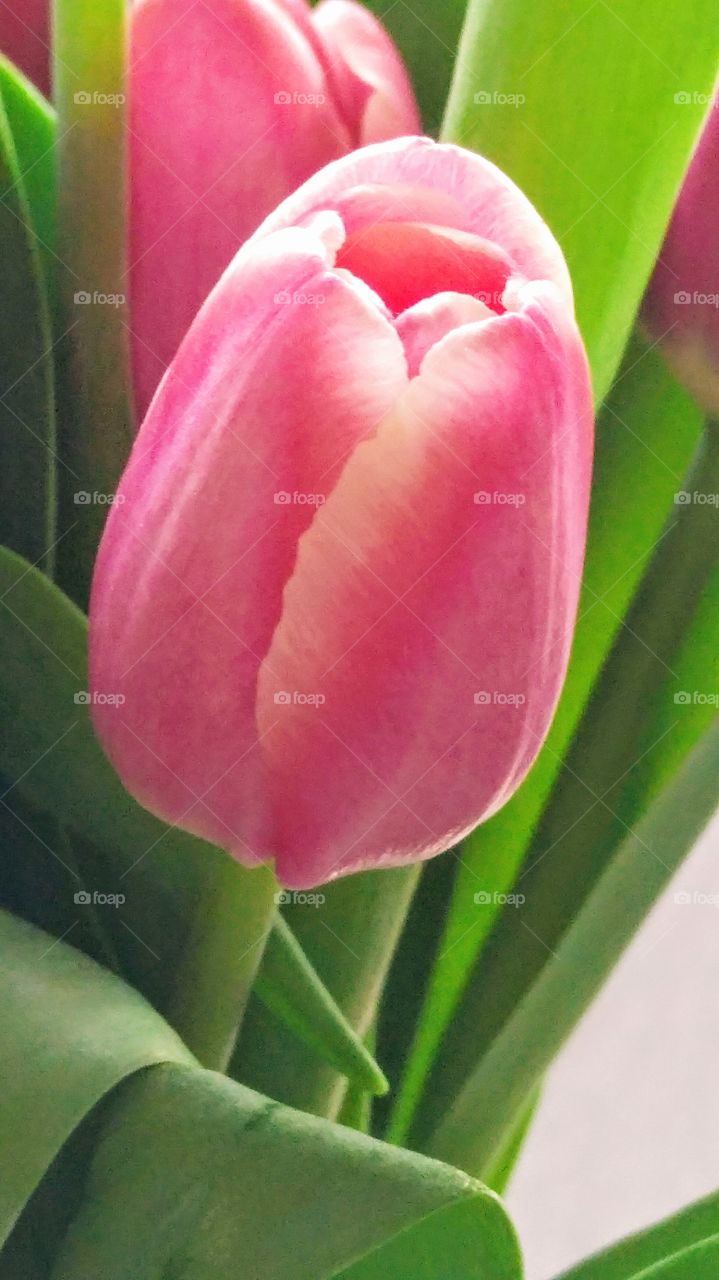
(337, 590)
(25, 38)
(681, 307)
(233, 104)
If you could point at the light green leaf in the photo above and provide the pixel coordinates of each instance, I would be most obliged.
(648, 428)
(593, 109)
(27, 422)
(71, 1032)
(289, 987)
(476, 1125)
(637, 1254)
(197, 1176)
(32, 125)
(95, 421)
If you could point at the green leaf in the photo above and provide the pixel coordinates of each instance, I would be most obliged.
(199, 1177)
(289, 986)
(635, 1255)
(591, 807)
(71, 1032)
(476, 1125)
(95, 420)
(27, 423)
(427, 35)
(648, 427)
(191, 927)
(593, 109)
(33, 129)
(448, 1243)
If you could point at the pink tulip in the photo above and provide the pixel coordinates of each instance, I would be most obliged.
(337, 588)
(681, 308)
(25, 38)
(233, 104)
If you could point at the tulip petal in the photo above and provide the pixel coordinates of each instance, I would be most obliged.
(240, 445)
(389, 110)
(230, 111)
(429, 629)
(25, 38)
(405, 179)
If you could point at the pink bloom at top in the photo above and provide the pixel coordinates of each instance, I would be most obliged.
(233, 104)
(338, 588)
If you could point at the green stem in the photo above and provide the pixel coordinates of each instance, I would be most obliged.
(223, 954)
(350, 940)
(95, 403)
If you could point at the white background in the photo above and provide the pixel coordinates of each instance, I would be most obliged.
(628, 1128)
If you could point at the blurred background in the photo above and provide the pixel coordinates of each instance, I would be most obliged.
(628, 1128)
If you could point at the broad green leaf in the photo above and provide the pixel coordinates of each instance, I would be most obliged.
(95, 419)
(191, 924)
(476, 1125)
(32, 125)
(593, 109)
(71, 1032)
(450, 1243)
(289, 986)
(591, 807)
(27, 423)
(197, 1176)
(698, 1263)
(637, 1254)
(427, 35)
(648, 428)
(349, 938)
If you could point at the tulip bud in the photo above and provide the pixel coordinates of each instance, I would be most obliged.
(233, 104)
(25, 38)
(335, 596)
(681, 307)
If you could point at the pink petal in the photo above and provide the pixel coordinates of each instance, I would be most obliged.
(405, 262)
(387, 108)
(415, 179)
(230, 111)
(25, 38)
(197, 547)
(410, 597)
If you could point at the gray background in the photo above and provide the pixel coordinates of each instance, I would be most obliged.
(628, 1128)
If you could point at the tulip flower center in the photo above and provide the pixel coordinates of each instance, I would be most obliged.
(406, 262)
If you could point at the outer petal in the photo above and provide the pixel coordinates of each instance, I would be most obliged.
(416, 179)
(359, 41)
(230, 111)
(429, 629)
(25, 38)
(285, 369)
